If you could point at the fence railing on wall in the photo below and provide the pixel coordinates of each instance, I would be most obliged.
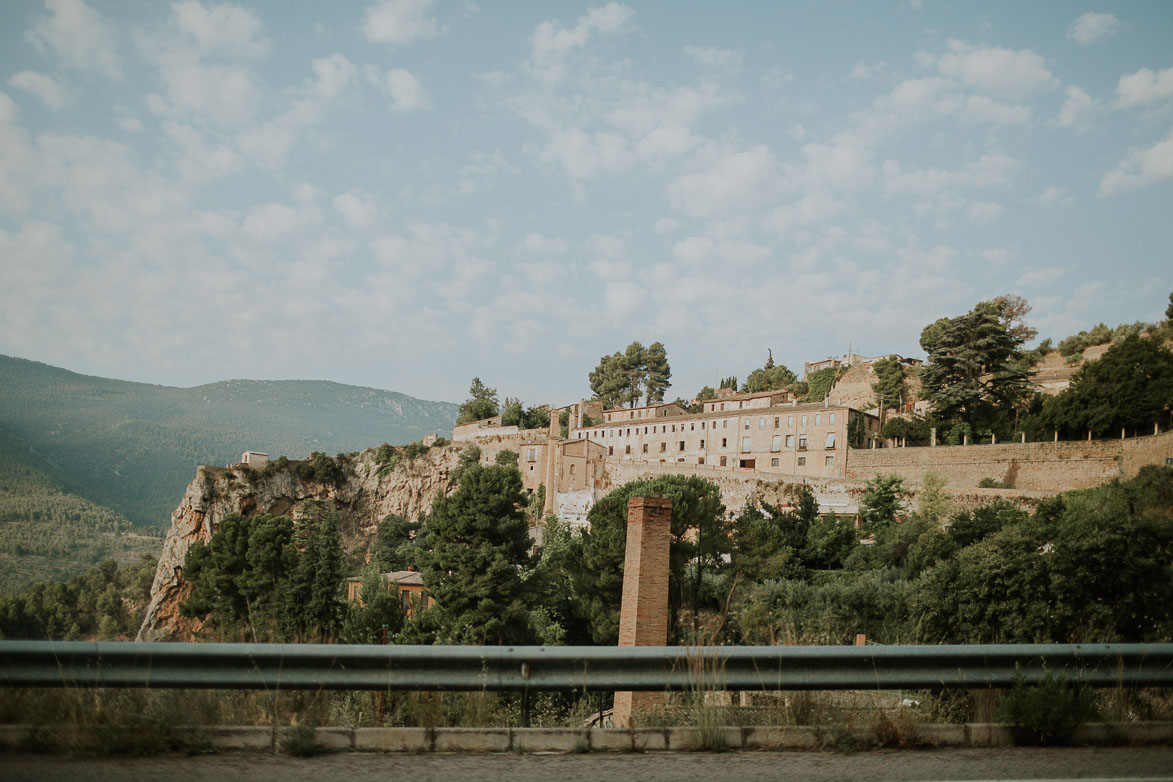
(572, 668)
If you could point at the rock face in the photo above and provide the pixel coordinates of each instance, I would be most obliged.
(361, 503)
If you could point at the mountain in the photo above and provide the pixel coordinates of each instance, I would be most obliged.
(133, 447)
(47, 534)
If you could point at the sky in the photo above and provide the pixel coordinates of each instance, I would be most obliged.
(406, 193)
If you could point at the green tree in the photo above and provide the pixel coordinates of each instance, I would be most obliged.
(609, 380)
(377, 616)
(975, 369)
(314, 606)
(479, 540)
(819, 383)
(481, 403)
(635, 368)
(761, 544)
(771, 377)
(889, 385)
(881, 501)
(395, 544)
(829, 542)
(698, 534)
(659, 374)
(1169, 309)
(1129, 387)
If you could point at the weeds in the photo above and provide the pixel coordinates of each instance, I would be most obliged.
(1046, 713)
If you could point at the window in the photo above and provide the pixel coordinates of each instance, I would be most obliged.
(702, 445)
(776, 443)
(761, 423)
(645, 447)
(682, 446)
(747, 423)
(627, 450)
(673, 427)
(724, 442)
(722, 405)
(830, 439)
(700, 460)
(831, 418)
(802, 442)
(531, 468)
(789, 441)
(804, 422)
(725, 424)
(829, 461)
(702, 425)
(572, 469)
(610, 450)
(802, 461)
(663, 447)
(405, 600)
(532, 455)
(692, 427)
(789, 422)
(777, 421)
(645, 430)
(745, 445)
(723, 463)
(774, 462)
(818, 419)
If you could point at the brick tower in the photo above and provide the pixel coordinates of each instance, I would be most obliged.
(643, 618)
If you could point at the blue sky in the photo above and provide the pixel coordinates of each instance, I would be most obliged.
(409, 193)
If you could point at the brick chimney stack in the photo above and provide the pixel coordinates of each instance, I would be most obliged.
(643, 617)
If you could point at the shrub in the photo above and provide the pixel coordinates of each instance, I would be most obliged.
(1047, 713)
(414, 450)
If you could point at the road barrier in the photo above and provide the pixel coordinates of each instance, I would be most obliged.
(573, 668)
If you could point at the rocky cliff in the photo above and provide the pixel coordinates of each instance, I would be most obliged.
(361, 500)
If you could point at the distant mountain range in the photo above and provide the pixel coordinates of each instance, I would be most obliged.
(133, 447)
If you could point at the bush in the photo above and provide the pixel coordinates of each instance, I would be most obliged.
(991, 483)
(414, 450)
(1047, 713)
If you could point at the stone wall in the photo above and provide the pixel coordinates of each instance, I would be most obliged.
(1034, 466)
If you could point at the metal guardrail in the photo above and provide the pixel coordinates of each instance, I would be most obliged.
(572, 668)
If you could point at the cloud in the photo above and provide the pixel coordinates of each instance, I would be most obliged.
(199, 160)
(1140, 168)
(405, 90)
(1144, 87)
(979, 108)
(1054, 196)
(358, 208)
(998, 256)
(79, 36)
(984, 213)
(221, 29)
(269, 144)
(538, 245)
(553, 43)
(988, 171)
(399, 22)
(1078, 110)
(733, 183)
(1006, 73)
(713, 56)
(51, 92)
(224, 95)
(1092, 27)
(1035, 277)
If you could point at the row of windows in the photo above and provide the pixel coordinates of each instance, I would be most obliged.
(828, 461)
(599, 434)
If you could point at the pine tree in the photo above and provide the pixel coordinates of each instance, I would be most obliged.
(481, 403)
(659, 374)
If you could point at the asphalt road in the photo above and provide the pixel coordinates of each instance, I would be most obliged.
(1117, 763)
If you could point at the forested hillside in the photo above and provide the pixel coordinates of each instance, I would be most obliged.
(50, 535)
(133, 446)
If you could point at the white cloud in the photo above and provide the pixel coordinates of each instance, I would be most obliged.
(79, 36)
(553, 43)
(358, 208)
(988, 171)
(623, 299)
(400, 22)
(983, 212)
(979, 108)
(492, 78)
(1036, 277)
(1078, 110)
(1054, 196)
(269, 144)
(225, 95)
(665, 226)
(713, 56)
(1092, 27)
(1140, 168)
(199, 160)
(222, 29)
(998, 256)
(734, 183)
(405, 91)
(1144, 87)
(538, 245)
(1007, 73)
(51, 92)
(128, 120)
